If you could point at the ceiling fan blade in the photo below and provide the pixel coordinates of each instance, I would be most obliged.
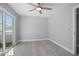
(32, 4)
(47, 8)
(40, 12)
(32, 10)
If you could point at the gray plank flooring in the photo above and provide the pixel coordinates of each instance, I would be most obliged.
(39, 48)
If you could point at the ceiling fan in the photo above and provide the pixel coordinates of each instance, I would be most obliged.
(39, 7)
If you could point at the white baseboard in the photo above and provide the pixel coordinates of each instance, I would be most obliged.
(62, 46)
(32, 40)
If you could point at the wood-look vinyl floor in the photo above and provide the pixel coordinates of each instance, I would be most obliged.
(39, 48)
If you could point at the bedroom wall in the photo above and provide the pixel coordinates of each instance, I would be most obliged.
(33, 28)
(61, 27)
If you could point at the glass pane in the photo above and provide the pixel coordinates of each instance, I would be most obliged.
(1, 41)
(8, 30)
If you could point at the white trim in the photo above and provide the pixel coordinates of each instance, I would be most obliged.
(3, 25)
(32, 40)
(74, 30)
(61, 46)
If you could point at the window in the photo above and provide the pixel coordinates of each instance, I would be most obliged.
(8, 23)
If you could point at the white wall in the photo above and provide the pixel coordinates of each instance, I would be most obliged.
(33, 28)
(61, 27)
(9, 9)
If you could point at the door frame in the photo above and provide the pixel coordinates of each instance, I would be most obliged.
(14, 39)
(74, 29)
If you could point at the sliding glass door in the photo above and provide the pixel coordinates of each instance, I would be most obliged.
(6, 32)
(1, 31)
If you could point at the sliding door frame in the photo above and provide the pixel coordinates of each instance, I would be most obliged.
(3, 27)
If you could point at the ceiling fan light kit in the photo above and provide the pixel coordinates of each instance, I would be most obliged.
(38, 9)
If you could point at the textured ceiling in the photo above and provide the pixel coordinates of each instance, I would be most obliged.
(23, 9)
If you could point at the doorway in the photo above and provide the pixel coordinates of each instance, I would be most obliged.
(77, 31)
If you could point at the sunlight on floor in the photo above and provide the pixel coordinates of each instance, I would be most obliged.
(10, 53)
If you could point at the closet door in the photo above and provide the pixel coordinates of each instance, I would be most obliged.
(1, 31)
(8, 31)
